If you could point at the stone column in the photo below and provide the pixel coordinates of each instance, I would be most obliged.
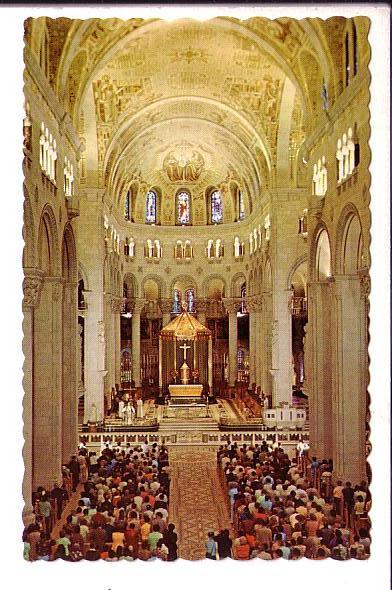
(47, 384)
(232, 308)
(281, 349)
(70, 350)
(266, 343)
(138, 305)
(201, 309)
(257, 302)
(350, 294)
(116, 309)
(32, 285)
(95, 369)
(109, 347)
(319, 371)
(252, 340)
(166, 306)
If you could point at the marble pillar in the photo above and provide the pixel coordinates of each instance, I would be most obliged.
(319, 371)
(257, 302)
(32, 285)
(138, 305)
(232, 306)
(116, 310)
(95, 368)
(70, 349)
(252, 340)
(47, 384)
(281, 349)
(349, 342)
(266, 339)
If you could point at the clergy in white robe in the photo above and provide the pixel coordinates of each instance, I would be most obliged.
(121, 406)
(129, 413)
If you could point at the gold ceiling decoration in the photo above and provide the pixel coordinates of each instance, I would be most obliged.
(183, 166)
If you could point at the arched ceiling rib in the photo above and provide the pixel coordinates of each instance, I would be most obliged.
(230, 92)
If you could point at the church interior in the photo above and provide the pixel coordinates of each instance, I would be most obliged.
(196, 258)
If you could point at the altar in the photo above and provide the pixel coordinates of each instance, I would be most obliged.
(185, 360)
(189, 390)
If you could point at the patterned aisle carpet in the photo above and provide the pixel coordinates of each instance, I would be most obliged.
(197, 500)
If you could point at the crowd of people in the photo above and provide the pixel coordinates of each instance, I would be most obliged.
(122, 513)
(289, 508)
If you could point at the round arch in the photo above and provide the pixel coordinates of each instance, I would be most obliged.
(161, 287)
(299, 262)
(48, 242)
(130, 281)
(313, 251)
(349, 241)
(236, 283)
(209, 279)
(69, 259)
(187, 282)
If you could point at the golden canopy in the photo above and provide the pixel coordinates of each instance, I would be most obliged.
(185, 327)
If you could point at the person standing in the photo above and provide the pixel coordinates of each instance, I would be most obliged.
(74, 468)
(121, 409)
(211, 546)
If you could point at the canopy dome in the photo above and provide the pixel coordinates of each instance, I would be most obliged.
(185, 327)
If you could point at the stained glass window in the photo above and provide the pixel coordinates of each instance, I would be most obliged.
(216, 207)
(183, 207)
(127, 208)
(151, 207)
(241, 206)
(177, 301)
(190, 300)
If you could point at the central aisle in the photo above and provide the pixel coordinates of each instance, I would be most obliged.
(197, 500)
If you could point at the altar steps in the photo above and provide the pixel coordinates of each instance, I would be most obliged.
(196, 424)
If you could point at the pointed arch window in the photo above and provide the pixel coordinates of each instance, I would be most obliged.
(151, 207)
(216, 207)
(183, 208)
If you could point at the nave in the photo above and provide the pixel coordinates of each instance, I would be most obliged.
(196, 275)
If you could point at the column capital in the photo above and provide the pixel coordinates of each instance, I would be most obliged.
(365, 284)
(202, 305)
(116, 304)
(137, 305)
(32, 286)
(166, 305)
(254, 303)
(232, 304)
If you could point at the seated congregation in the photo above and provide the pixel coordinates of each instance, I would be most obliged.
(121, 513)
(289, 508)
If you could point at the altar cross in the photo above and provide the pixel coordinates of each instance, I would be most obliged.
(184, 347)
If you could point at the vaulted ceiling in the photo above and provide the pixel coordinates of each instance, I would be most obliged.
(188, 103)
